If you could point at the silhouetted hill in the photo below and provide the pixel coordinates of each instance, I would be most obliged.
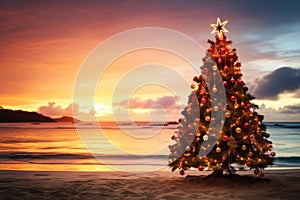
(7, 115)
(66, 119)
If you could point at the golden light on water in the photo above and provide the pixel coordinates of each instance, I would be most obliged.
(58, 147)
(138, 145)
(58, 167)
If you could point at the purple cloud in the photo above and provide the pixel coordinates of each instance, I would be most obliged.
(166, 102)
(284, 79)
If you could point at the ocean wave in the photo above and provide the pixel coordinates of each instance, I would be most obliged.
(287, 161)
(32, 156)
(88, 159)
(290, 125)
(69, 156)
(90, 128)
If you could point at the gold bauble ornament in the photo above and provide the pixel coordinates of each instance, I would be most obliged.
(216, 108)
(218, 149)
(194, 86)
(205, 137)
(244, 147)
(188, 148)
(207, 118)
(238, 130)
(236, 105)
(215, 67)
(215, 90)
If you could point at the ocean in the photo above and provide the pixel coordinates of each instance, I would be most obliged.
(122, 147)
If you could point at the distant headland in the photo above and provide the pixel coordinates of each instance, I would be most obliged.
(7, 115)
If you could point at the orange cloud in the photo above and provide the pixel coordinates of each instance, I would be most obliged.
(52, 110)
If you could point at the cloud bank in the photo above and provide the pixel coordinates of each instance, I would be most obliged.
(55, 110)
(166, 102)
(284, 79)
(290, 113)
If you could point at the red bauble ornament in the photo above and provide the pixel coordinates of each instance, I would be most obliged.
(232, 98)
(220, 60)
(200, 168)
(180, 120)
(223, 159)
(210, 49)
(246, 125)
(242, 104)
(256, 171)
(250, 154)
(232, 80)
(262, 174)
(273, 153)
(225, 83)
(240, 81)
(227, 114)
(248, 163)
(181, 173)
(205, 70)
(226, 68)
(225, 138)
(248, 105)
(203, 100)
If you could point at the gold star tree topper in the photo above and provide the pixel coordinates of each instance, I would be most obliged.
(219, 27)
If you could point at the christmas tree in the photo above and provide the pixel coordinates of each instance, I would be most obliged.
(218, 132)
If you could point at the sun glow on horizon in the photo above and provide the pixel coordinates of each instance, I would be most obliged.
(102, 110)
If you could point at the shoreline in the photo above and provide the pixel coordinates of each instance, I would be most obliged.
(277, 184)
(95, 167)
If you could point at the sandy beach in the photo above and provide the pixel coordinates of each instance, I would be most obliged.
(277, 184)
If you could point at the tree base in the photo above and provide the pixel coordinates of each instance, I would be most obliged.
(217, 173)
(219, 179)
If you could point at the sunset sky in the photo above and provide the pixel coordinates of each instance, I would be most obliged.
(44, 44)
